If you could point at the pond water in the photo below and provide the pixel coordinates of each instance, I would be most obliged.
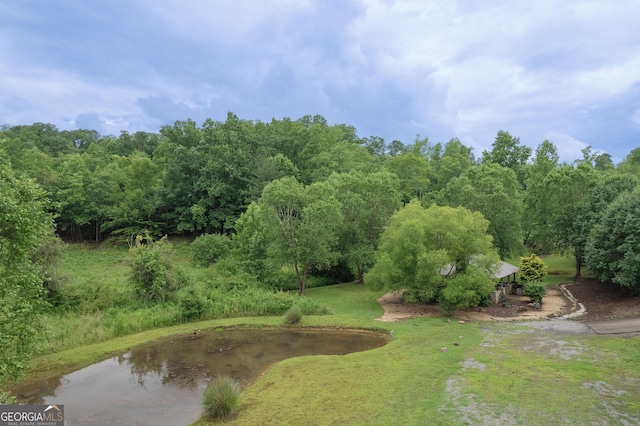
(163, 383)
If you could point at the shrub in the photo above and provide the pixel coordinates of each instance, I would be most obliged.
(532, 269)
(152, 274)
(207, 249)
(293, 315)
(191, 306)
(535, 291)
(221, 398)
(465, 290)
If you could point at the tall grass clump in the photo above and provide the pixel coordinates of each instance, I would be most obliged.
(221, 398)
(293, 315)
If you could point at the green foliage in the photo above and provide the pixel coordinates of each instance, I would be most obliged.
(594, 206)
(301, 225)
(546, 160)
(209, 248)
(428, 254)
(413, 172)
(464, 290)
(508, 152)
(293, 315)
(535, 291)
(531, 269)
(152, 274)
(191, 305)
(556, 221)
(24, 225)
(367, 203)
(221, 398)
(7, 398)
(48, 256)
(492, 190)
(613, 252)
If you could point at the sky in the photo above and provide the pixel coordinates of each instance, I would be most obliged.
(567, 71)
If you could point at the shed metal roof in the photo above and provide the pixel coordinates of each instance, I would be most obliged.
(504, 270)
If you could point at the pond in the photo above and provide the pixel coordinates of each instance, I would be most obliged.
(163, 383)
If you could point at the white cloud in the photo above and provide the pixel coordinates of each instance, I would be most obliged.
(443, 68)
(569, 148)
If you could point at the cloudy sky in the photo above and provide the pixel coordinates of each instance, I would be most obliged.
(563, 70)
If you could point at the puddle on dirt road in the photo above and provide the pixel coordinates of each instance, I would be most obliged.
(163, 383)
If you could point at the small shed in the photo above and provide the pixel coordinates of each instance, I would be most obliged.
(505, 277)
(507, 273)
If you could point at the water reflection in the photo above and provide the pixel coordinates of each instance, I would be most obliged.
(163, 383)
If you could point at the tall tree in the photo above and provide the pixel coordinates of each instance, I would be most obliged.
(534, 198)
(555, 222)
(594, 206)
(493, 191)
(182, 166)
(413, 171)
(613, 252)
(24, 225)
(422, 247)
(71, 200)
(508, 152)
(631, 163)
(132, 202)
(367, 202)
(303, 225)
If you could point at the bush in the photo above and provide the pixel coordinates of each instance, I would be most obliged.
(465, 290)
(152, 274)
(221, 398)
(191, 306)
(535, 291)
(293, 315)
(532, 269)
(207, 249)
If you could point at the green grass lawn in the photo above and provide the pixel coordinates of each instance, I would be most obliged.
(500, 373)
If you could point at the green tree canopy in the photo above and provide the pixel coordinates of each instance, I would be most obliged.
(545, 161)
(367, 203)
(508, 152)
(421, 249)
(302, 223)
(413, 171)
(556, 220)
(493, 191)
(594, 206)
(24, 226)
(613, 251)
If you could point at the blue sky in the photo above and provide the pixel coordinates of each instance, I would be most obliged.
(567, 71)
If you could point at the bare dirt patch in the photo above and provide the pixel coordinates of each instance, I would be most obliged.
(604, 301)
(554, 304)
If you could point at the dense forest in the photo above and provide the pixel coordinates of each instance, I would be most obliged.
(193, 180)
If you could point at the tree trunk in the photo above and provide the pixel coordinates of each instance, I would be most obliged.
(299, 279)
(578, 266)
(360, 274)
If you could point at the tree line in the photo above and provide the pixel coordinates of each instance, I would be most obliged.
(319, 196)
